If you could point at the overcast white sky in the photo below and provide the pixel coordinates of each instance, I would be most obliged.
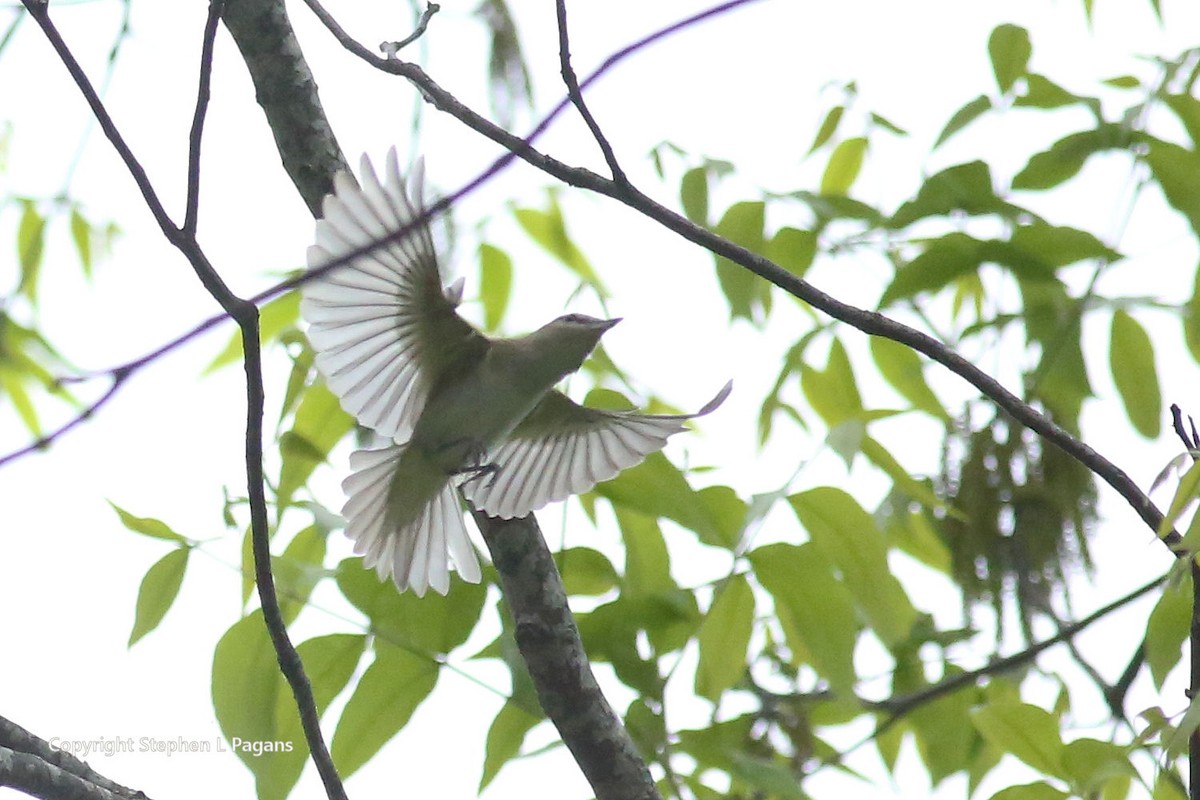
(748, 87)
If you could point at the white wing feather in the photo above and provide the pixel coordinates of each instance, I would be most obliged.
(418, 555)
(365, 318)
(586, 446)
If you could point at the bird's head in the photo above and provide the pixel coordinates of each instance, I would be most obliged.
(565, 342)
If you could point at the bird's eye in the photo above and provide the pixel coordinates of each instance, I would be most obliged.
(577, 319)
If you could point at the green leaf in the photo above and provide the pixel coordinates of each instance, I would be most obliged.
(646, 726)
(1122, 82)
(255, 707)
(495, 283)
(1031, 791)
(586, 571)
(329, 663)
(913, 534)
(647, 561)
(1009, 49)
(964, 117)
(847, 535)
(1058, 246)
(956, 256)
(549, 230)
(746, 293)
(434, 624)
(888, 125)
(657, 488)
(773, 779)
(960, 188)
(81, 235)
(31, 244)
(11, 385)
(1131, 358)
(1094, 764)
(298, 570)
(878, 455)
(1177, 171)
(723, 638)
(1065, 157)
(158, 591)
(945, 736)
(693, 194)
(942, 261)
(155, 529)
(1041, 92)
(1177, 742)
(844, 165)
(793, 249)
(1191, 319)
(504, 739)
(383, 702)
(274, 318)
(1168, 628)
(828, 128)
(901, 367)
(714, 745)
(832, 392)
(815, 610)
(1027, 732)
(318, 425)
(1187, 108)
(1185, 494)
(245, 680)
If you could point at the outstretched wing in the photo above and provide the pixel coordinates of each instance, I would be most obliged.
(563, 448)
(381, 324)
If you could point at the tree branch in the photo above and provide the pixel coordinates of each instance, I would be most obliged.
(245, 314)
(898, 707)
(869, 322)
(287, 92)
(33, 766)
(550, 645)
(576, 95)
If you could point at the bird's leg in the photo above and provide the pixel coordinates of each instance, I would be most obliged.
(475, 468)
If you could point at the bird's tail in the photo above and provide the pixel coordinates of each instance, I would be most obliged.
(406, 519)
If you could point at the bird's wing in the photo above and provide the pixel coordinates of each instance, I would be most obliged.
(381, 324)
(419, 553)
(563, 448)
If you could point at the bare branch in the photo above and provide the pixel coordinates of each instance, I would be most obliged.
(869, 322)
(573, 91)
(287, 92)
(550, 645)
(245, 314)
(190, 217)
(32, 765)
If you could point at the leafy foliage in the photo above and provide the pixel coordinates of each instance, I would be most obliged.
(817, 619)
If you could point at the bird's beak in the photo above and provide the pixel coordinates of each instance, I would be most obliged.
(608, 323)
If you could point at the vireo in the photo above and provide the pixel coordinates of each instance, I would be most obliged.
(464, 412)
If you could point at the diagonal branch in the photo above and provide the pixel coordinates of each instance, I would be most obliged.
(548, 639)
(576, 95)
(245, 314)
(34, 766)
(869, 322)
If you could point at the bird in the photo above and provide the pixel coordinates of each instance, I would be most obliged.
(458, 412)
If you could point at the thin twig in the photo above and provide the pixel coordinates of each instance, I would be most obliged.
(390, 49)
(576, 95)
(869, 322)
(1192, 444)
(899, 707)
(245, 314)
(191, 215)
